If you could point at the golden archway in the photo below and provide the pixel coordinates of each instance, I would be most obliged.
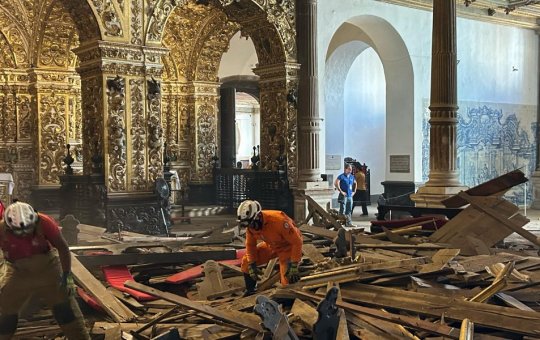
(197, 36)
(39, 90)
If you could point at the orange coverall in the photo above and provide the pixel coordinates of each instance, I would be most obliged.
(281, 238)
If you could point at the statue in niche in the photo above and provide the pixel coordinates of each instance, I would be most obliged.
(292, 97)
(117, 84)
(154, 87)
(155, 133)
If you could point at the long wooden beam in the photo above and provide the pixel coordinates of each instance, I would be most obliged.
(496, 317)
(155, 258)
(243, 320)
(408, 321)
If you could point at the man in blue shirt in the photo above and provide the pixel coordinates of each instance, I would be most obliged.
(346, 184)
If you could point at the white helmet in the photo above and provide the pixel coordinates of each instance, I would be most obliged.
(21, 218)
(248, 211)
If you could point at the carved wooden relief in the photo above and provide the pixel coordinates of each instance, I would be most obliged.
(52, 129)
(138, 135)
(155, 131)
(116, 134)
(59, 37)
(92, 103)
(206, 139)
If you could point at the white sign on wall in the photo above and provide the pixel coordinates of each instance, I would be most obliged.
(333, 162)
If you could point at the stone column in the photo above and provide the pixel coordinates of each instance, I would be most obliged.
(308, 99)
(309, 121)
(535, 178)
(443, 177)
(121, 100)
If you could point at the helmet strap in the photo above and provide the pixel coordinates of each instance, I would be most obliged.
(257, 222)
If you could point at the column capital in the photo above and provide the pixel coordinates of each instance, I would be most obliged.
(120, 58)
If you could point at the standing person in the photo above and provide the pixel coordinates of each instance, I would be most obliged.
(346, 184)
(281, 238)
(360, 177)
(31, 267)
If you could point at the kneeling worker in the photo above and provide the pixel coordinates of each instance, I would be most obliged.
(30, 267)
(281, 238)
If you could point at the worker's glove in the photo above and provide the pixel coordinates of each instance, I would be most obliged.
(292, 272)
(66, 282)
(254, 271)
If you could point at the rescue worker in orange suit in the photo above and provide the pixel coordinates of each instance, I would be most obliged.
(280, 238)
(32, 268)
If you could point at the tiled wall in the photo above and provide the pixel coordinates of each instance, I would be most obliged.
(493, 139)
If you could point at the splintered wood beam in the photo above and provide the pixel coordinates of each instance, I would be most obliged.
(322, 212)
(407, 321)
(240, 319)
(399, 231)
(498, 284)
(495, 186)
(516, 226)
(156, 258)
(109, 302)
(467, 330)
(491, 316)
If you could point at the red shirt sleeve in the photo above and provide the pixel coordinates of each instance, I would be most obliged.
(49, 227)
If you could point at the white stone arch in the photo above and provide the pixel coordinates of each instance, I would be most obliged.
(349, 41)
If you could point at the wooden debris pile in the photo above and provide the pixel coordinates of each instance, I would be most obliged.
(457, 282)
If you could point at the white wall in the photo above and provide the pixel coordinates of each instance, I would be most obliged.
(240, 59)
(486, 52)
(365, 116)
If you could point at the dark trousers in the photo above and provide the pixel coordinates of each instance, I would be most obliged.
(361, 196)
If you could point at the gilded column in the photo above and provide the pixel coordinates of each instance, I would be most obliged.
(122, 119)
(443, 177)
(308, 110)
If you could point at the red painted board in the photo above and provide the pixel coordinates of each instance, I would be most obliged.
(197, 271)
(116, 276)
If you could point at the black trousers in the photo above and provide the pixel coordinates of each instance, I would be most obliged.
(361, 199)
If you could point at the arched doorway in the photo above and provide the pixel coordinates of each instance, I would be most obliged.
(191, 98)
(40, 95)
(239, 111)
(372, 49)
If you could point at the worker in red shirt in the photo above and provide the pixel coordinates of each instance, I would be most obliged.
(280, 238)
(32, 268)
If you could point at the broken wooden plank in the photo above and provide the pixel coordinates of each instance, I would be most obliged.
(496, 317)
(439, 260)
(156, 258)
(497, 284)
(306, 313)
(498, 185)
(407, 321)
(109, 302)
(514, 222)
(467, 330)
(321, 211)
(513, 302)
(312, 253)
(399, 231)
(243, 320)
(486, 222)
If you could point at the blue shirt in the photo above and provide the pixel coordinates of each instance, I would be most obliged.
(346, 183)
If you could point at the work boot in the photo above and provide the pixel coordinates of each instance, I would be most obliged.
(250, 285)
